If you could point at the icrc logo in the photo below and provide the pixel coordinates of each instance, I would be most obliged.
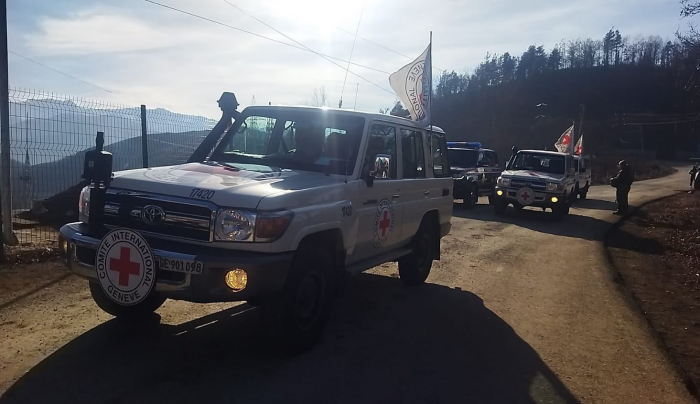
(417, 89)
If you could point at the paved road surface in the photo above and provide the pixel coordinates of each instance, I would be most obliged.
(521, 309)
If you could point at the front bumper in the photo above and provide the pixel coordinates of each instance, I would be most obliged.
(542, 199)
(267, 272)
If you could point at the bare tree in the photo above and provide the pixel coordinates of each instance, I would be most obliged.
(319, 98)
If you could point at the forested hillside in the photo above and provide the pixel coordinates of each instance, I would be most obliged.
(633, 94)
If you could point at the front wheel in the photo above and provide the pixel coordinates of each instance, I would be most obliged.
(500, 207)
(472, 196)
(415, 267)
(560, 211)
(492, 199)
(137, 311)
(295, 318)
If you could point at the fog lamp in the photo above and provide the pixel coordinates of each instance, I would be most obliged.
(499, 192)
(555, 199)
(236, 279)
(62, 246)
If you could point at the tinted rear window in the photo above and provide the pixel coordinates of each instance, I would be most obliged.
(463, 158)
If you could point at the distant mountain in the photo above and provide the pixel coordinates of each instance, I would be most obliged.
(52, 129)
(40, 181)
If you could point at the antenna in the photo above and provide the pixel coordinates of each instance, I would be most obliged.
(352, 50)
(356, 91)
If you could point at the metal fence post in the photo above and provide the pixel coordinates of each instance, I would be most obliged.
(6, 193)
(144, 136)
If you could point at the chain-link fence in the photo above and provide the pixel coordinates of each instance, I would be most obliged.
(49, 135)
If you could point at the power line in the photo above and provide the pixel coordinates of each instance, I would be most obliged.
(258, 35)
(382, 46)
(352, 50)
(58, 71)
(327, 58)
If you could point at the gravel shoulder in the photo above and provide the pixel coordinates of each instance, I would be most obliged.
(520, 309)
(657, 253)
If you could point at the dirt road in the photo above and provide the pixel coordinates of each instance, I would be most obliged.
(521, 309)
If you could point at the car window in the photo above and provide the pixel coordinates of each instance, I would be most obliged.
(380, 157)
(313, 141)
(438, 148)
(464, 158)
(413, 156)
(492, 159)
(541, 162)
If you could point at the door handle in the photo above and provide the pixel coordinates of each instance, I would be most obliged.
(396, 196)
(426, 193)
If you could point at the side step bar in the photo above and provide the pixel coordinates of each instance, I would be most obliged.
(370, 263)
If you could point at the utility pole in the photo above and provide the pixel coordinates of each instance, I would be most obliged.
(6, 193)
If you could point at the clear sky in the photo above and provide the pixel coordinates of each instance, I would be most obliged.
(146, 54)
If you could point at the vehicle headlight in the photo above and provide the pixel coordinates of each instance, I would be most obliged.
(234, 225)
(552, 186)
(503, 181)
(84, 205)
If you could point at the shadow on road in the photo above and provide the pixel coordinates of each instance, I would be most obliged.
(596, 204)
(573, 225)
(385, 344)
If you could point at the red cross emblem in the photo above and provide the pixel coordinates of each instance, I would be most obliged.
(567, 139)
(124, 266)
(526, 196)
(384, 223)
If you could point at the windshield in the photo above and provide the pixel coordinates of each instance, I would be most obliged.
(539, 162)
(463, 157)
(320, 141)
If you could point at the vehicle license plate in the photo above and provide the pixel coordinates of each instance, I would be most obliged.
(188, 267)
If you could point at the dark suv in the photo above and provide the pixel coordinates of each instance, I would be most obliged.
(474, 171)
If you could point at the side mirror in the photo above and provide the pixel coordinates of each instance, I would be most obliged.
(369, 179)
(583, 169)
(572, 171)
(382, 166)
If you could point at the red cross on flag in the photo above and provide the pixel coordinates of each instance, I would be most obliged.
(578, 149)
(565, 144)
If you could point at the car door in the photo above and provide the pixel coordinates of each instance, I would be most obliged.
(415, 187)
(381, 213)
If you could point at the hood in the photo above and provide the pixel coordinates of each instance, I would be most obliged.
(232, 185)
(533, 175)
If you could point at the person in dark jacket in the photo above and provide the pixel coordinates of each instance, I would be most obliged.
(622, 183)
(693, 172)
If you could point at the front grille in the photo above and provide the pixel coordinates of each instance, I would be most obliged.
(532, 184)
(185, 219)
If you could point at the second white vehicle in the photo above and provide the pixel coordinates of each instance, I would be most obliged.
(537, 178)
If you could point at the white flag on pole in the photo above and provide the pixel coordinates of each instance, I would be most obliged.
(412, 85)
(565, 143)
(578, 149)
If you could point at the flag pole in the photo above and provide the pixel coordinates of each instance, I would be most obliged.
(430, 83)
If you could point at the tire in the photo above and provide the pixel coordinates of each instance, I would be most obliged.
(559, 211)
(415, 267)
(295, 318)
(138, 311)
(472, 197)
(492, 199)
(500, 207)
(583, 195)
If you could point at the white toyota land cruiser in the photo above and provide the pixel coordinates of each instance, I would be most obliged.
(289, 201)
(538, 178)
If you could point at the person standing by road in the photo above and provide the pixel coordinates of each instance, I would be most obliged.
(622, 183)
(693, 172)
